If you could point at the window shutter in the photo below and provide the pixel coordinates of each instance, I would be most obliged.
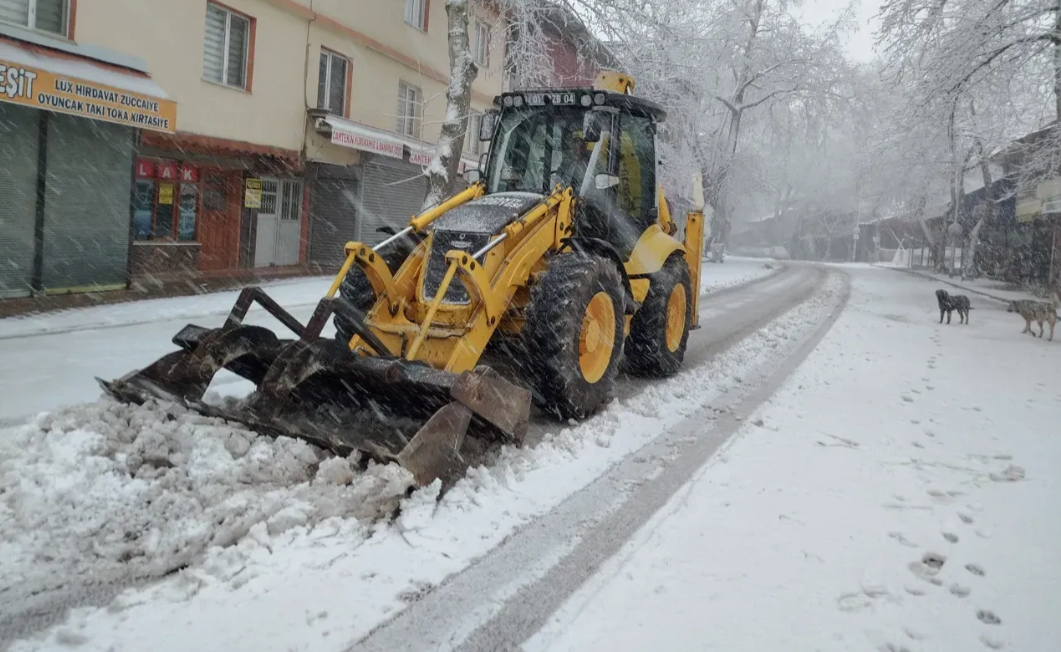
(402, 91)
(237, 51)
(322, 82)
(17, 11)
(214, 45)
(337, 88)
(51, 16)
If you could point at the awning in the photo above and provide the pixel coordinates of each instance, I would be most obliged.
(45, 79)
(347, 133)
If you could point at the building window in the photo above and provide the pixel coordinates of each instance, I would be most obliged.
(226, 48)
(410, 107)
(416, 13)
(481, 47)
(331, 83)
(44, 15)
(474, 145)
(165, 201)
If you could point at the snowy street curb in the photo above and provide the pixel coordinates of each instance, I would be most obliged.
(914, 272)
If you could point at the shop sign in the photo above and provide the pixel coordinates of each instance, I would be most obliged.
(145, 169)
(166, 170)
(367, 143)
(189, 174)
(421, 157)
(252, 197)
(165, 194)
(38, 88)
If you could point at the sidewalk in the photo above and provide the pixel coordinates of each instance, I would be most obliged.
(292, 292)
(143, 290)
(990, 289)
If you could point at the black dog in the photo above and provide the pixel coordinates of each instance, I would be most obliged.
(951, 302)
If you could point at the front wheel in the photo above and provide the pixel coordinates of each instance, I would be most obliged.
(573, 334)
(659, 332)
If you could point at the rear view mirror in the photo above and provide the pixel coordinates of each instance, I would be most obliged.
(472, 176)
(605, 181)
(487, 124)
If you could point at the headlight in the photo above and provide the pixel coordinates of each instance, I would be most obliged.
(598, 99)
(517, 101)
(586, 100)
(508, 100)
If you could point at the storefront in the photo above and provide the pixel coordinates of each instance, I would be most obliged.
(68, 129)
(209, 206)
(384, 188)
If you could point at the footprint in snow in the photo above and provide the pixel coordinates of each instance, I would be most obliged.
(992, 642)
(988, 617)
(960, 590)
(928, 566)
(975, 569)
(902, 540)
(908, 398)
(1010, 474)
(965, 518)
(913, 635)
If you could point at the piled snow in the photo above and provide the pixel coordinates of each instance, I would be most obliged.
(899, 493)
(735, 271)
(288, 583)
(108, 490)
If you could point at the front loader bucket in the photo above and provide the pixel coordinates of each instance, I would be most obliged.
(317, 390)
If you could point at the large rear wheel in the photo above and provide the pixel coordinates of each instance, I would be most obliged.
(659, 332)
(573, 334)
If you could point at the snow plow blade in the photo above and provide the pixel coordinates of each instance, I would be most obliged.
(317, 390)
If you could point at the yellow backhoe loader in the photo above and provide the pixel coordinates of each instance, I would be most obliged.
(555, 270)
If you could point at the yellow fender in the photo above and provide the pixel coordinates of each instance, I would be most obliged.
(653, 249)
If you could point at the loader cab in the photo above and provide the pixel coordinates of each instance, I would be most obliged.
(601, 144)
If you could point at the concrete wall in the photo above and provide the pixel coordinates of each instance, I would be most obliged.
(288, 37)
(169, 36)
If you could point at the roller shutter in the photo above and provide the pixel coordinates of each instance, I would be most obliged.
(392, 193)
(333, 213)
(87, 204)
(18, 198)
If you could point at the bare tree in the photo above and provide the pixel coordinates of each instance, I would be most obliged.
(442, 171)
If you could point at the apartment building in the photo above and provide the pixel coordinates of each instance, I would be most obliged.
(302, 124)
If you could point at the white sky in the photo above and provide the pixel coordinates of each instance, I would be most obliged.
(859, 44)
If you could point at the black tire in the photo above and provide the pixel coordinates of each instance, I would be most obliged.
(357, 289)
(648, 351)
(553, 328)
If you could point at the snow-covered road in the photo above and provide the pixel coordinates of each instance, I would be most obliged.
(898, 493)
(895, 491)
(95, 496)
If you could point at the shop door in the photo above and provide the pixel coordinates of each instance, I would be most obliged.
(333, 214)
(18, 198)
(279, 230)
(219, 220)
(86, 205)
(392, 193)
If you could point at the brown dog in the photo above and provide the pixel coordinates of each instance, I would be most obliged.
(1037, 311)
